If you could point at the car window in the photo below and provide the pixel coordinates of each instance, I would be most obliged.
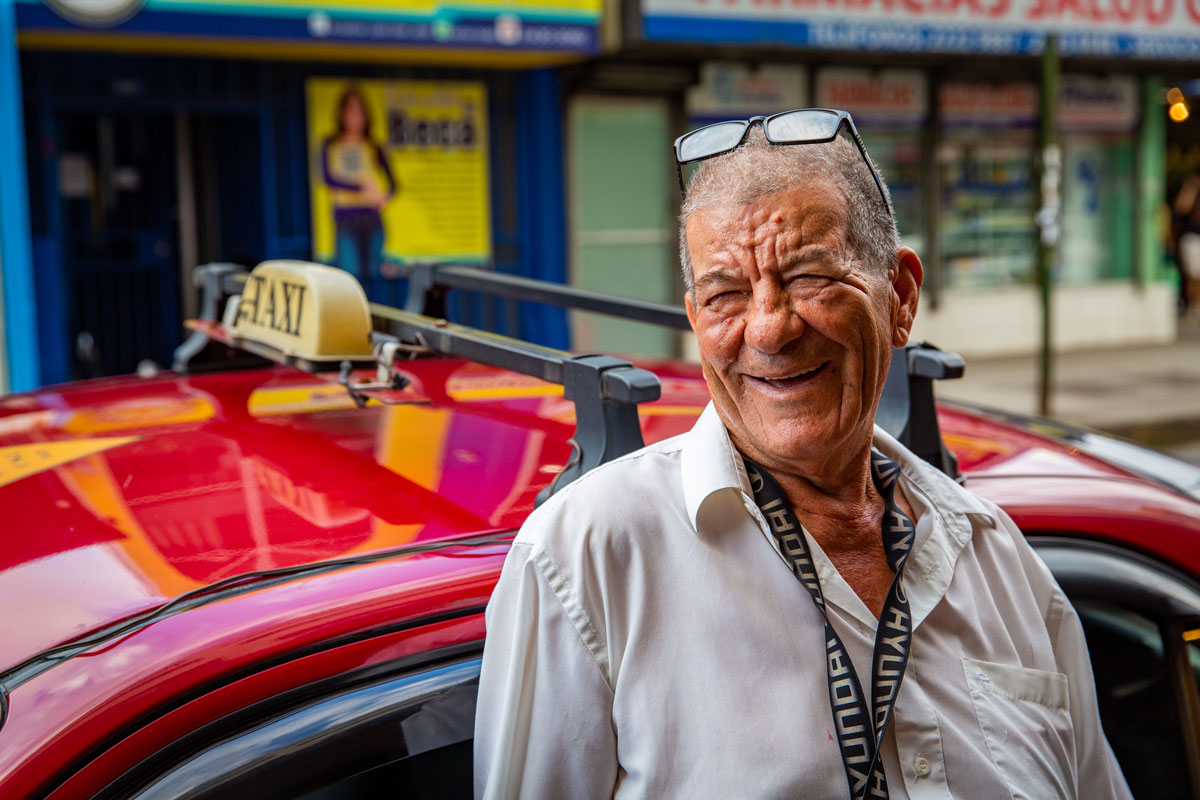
(404, 737)
(1139, 703)
(441, 773)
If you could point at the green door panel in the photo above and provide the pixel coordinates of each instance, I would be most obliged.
(622, 241)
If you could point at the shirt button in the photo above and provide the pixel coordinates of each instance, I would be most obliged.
(921, 764)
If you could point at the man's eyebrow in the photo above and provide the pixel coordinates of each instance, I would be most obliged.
(807, 255)
(720, 276)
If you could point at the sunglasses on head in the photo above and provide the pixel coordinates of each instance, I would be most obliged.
(801, 126)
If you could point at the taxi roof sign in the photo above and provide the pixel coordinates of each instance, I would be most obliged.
(304, 310)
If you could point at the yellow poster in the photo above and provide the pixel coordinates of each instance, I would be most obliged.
(399, 173)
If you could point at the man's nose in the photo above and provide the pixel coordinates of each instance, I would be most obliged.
(772, 323)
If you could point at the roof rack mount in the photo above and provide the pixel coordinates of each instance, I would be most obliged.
(907, 409)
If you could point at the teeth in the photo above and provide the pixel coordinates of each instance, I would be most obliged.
(794, 374)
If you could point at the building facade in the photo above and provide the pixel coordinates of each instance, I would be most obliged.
(155, 135)
(947, 99)
(159, 135)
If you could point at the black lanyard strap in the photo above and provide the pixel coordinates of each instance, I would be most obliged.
(860, 727)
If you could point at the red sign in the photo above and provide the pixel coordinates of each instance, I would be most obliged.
(879, 97)
(988, 105)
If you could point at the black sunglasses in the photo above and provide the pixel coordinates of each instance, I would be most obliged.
(801, 126)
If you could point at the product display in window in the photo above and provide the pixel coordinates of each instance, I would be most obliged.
(988, 203)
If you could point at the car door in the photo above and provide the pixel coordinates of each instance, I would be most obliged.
(405, 729)
(1142, 622)
(390, 730)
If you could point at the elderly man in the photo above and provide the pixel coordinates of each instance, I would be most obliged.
(784, 602)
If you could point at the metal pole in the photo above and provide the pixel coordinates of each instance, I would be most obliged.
(1050, 174)
(185, 198)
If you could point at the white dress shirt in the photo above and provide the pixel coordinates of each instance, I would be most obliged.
(647, 639)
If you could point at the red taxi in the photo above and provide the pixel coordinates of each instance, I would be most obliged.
(269, 582)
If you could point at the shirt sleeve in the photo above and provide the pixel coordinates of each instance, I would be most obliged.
(543, 723)
(1099, 775)
(382, 162)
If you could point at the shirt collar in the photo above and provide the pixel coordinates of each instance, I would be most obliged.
(709, 463)
(947, 496)
(946, 522)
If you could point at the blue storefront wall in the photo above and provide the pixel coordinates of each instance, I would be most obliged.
(257, 112)
(19, 361)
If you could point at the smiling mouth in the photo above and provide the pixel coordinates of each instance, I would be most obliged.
(793, 380)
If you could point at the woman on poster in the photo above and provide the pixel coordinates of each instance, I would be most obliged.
(351, 164)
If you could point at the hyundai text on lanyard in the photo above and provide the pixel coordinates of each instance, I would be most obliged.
(860, 727)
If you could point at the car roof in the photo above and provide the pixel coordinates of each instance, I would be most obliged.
(123, 494)
(132, 493)
(174, 530)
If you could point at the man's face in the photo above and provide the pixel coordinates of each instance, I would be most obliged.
(795, 333)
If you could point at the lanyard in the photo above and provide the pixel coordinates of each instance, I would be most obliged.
(858, 738)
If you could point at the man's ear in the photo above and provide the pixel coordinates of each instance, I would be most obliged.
(906, 277)
(690, 308)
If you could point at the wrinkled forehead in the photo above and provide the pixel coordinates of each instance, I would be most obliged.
(802, 215)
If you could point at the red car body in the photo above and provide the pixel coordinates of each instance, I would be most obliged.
(177, 548)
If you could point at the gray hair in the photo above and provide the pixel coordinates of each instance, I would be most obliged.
(758, 168)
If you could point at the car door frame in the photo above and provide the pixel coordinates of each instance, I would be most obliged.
(1089, 569)
(404, 686)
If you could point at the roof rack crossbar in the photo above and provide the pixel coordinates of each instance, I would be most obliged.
(453, 339)
(622, 382)
(428, 284)
(604, 389)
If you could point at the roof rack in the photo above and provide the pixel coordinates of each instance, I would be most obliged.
(605, 390)
(263, 311)
(906, 409)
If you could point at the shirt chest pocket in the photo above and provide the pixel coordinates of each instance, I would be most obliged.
(1026, 723)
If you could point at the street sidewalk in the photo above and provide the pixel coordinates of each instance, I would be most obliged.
(1150, 394)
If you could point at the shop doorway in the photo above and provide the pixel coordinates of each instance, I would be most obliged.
(145, 198)
(117, 189)
(225, 164)
(622, 238)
